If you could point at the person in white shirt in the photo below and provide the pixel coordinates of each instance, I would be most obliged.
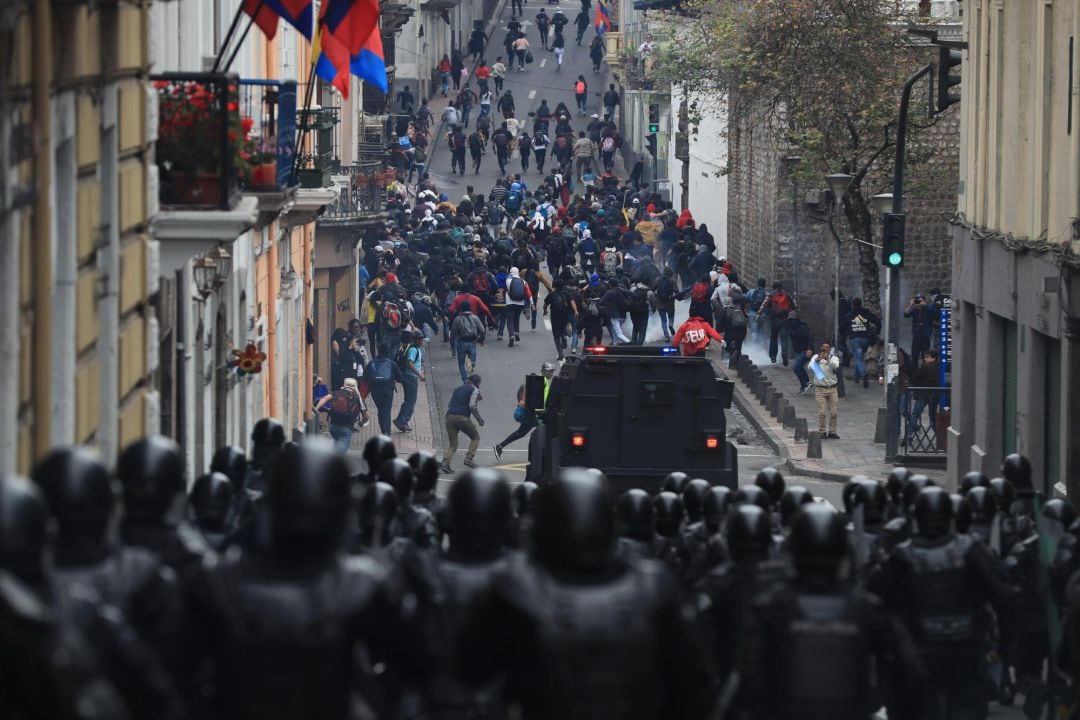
(824, 366)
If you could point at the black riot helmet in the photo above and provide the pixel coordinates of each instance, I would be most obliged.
(915, 485)
(715, 507)
(24, 529)
(753, 495)
(984, 504)
(376, 510)
(151, 475)
(634, 512)
(749, 534)
(307, 497)
(230, 461)
(668, 514)
(971, 480)
(874, 500)
(1017, 469)
(396, 473)
(80, 495)
(818, 544)
(1059, 510)
(675, 482)
(378, 450)
(523, 498)
(693, 499)
(1005, 493)
(933, 512)
(267, 437)
(210, 498)
(426, 469)
(574, 525)
(851, 488)
(962, 515)
(480, 512)
(792, 502)
(895, 483)
(772, 482)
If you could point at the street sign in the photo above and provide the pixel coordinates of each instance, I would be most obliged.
(945, 341)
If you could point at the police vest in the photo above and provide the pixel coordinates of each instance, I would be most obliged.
(942, 606)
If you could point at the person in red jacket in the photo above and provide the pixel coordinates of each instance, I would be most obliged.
(685, 220)
(692, 337)
(475, 304)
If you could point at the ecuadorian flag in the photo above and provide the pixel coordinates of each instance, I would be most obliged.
(337, 49)
(603, 17)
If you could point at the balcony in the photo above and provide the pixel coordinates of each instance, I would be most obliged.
(319, 158)
(199, 141)
(361, 195)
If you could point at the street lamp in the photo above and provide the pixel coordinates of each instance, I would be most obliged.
(838, 183)
(204, 272)
(790, 163)
(223, 263)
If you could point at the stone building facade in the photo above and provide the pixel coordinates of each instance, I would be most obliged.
(763, 202)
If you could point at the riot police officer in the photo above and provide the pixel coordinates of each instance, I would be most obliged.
(211, 501)
(580, 634)
(413, 523)
(637, 532)
(267, 439)
(479, 503)
(230, 461)
(377, 450)
(815, 643)
(279, 628)
(938, 583)
(670, 545)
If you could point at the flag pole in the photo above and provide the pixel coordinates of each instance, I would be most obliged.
(243, 36)
(228, 35)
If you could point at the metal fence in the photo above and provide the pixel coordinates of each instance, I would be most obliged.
(363, 195)
(925, 415)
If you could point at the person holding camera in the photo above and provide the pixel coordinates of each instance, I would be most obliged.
(923, 316)
(825, 366)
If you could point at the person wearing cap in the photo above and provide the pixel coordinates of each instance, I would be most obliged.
(463, 406)
(525, 416)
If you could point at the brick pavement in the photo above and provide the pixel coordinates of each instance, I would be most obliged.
(854, 453)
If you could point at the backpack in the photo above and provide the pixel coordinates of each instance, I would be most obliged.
(494, 214)
(579, 87)
(467, 332)
(756, 297)
(594, 308)
(419, 156)
(558, 302)
(525, 144)
(515, 289)
(538, 139)
(393, 316)
(610, 260)
(665, 288)
(639, 298)
(476, 142)
(457, 140)
(736, 318)
(382, 370)
(699, 293)
(399, 357)
(480, 284)
(513, 201)
(608, 144)
(501, 139)
(562, 143)
(345, 405)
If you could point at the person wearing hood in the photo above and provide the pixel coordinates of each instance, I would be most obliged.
(517, 294)
(686, 220)
(733, 322)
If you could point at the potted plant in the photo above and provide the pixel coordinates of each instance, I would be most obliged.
(189, 145)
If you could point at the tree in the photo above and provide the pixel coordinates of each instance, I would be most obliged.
(824, 74)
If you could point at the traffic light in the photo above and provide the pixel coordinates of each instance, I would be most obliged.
(947, 60)
(892, 251)
(650, 143)
(654, 118)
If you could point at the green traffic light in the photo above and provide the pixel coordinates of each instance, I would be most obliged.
(654, 128)
(895, 259)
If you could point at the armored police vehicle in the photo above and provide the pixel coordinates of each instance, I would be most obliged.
(636, 413)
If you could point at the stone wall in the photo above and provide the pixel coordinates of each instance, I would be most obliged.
(761, 236)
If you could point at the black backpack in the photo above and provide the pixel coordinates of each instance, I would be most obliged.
(665, 288)
(639, 298)
(558, 302)
(515, 289)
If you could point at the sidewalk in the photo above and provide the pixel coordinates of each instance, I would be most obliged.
(853, 454)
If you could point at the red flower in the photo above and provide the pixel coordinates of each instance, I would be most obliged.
(232, 106)
(246, 124)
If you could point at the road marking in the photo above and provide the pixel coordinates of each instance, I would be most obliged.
(516, 467)
(543, 62)
(532, 94)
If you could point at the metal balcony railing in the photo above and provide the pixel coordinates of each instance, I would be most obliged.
(363, 194)
(319, 157)
(924, 413)
(268, 119)
(199, 138)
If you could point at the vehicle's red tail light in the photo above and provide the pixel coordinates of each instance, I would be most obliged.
(579, 439)
(712, 442)
(597, 350)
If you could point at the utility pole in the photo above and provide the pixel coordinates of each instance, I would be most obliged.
(892, 392)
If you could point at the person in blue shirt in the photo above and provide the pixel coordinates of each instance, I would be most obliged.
(411, 377)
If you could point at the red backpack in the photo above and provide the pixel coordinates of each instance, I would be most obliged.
(480, 283)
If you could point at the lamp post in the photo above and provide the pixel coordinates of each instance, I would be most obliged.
(883, 202)
(838, 183)
(790, 163)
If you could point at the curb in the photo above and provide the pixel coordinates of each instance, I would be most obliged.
(438, 431)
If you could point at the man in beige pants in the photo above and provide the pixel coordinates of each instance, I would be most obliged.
(824, 366)
(459, 413)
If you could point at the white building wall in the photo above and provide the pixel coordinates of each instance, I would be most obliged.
(707, 182)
